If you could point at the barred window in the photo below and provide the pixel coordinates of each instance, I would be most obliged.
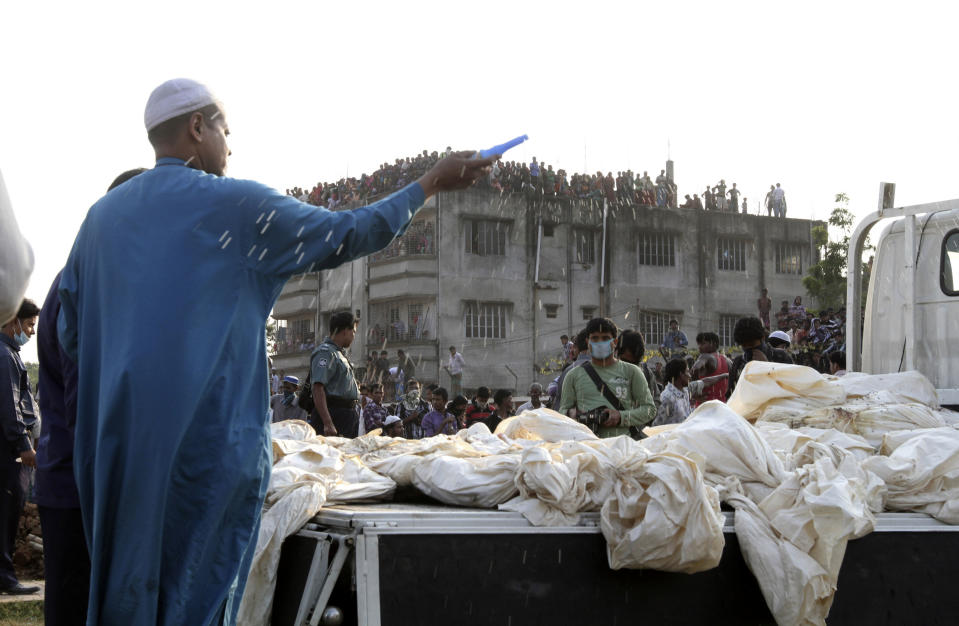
(585, 250)
(727, 323)
(486, 237)
(788, 258)
(732, 254)
(654, 325)
(589, 312)
(302, 328)
(402, 321)
(657, 249)
(294, 335)
(552, 310)
(419, 239)
(486, 320)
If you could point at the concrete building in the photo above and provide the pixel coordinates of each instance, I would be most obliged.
(501, 278)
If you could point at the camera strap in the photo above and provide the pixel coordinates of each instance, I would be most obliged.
(601, 386)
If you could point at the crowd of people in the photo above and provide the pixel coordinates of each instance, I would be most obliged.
(538, 180)
(812, 338)
(608, 379)
(388, 177)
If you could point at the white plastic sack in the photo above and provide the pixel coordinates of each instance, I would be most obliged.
(867, 418)
(297, 430)
(279, 522)
(921, 472)
(764, 386)
(794, 540)
(559, 481)
(301, 483)
(725, 444)
(796, 588)
(479, 437)
(662, 516)
(900, 388)
(544, 425)
(480, 482)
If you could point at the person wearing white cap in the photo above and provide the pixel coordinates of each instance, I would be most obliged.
(393, 426)
(779, 339)
(173, 454)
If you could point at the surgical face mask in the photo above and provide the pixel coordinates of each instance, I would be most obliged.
(21, 337)
(601, 349)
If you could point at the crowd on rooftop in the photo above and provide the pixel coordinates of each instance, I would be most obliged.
(538, 180)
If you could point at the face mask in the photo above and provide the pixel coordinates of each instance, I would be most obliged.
(21, 337)
(601, 349)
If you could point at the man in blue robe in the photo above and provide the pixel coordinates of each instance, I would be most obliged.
(163, 303)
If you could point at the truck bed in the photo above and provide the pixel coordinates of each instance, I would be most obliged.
(430, 564)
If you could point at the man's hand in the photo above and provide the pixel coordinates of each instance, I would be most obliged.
(29, 458)
(329, 430)
(457, 171)
(613, 419)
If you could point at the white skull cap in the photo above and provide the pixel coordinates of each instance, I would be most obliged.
(175, 97)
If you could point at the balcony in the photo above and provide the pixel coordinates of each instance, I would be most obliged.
(418, 241)
(294, 345)
(392, 337)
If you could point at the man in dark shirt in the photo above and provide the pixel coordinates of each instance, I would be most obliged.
(479, 410)
(751, 336)
(66, 562)
(502, 408)
(18, 416)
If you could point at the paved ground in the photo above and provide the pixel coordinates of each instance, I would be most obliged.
(25, 583)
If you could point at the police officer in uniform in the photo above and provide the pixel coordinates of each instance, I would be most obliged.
(335, 392)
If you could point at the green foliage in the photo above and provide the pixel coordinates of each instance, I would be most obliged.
(33, 373)
(271, 326)
(826, 280)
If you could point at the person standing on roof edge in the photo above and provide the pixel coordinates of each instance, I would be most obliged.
(184, 260)
(673, 341)
(455, 368)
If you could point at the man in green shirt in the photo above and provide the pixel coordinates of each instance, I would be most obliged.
(624, 380)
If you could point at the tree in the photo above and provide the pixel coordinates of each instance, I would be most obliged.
(826, 280)
(271, 336)
(33, 374)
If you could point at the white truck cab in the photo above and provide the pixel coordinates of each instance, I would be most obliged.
(911, 319)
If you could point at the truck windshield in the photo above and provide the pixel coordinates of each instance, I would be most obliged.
(950, 264)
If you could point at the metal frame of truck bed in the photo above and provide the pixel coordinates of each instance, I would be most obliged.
(424, 564)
